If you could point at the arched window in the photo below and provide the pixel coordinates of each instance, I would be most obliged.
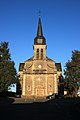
(37, 54)
(41, 53)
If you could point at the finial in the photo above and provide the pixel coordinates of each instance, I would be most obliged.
(39, 13)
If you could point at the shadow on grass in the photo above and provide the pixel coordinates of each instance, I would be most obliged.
(6, 100)
(59, 109)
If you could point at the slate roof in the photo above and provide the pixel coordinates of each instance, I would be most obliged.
(58, 66)
(21, 66)
(40, 37)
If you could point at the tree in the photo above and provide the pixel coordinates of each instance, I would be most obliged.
(8, 73)
(61, 86)
(72, 73)
(18, 89)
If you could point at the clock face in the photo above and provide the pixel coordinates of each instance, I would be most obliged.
(39, 66)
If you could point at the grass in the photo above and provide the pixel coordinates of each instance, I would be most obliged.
(58, 109)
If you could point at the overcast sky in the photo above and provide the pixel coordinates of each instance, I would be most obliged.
(60, 22)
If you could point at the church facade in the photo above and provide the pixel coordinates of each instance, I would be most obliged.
(39, 75)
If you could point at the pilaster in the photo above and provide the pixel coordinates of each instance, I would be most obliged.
(55, 84)
(23, 91)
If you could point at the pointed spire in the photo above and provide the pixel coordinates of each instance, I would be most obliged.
(39, 31)
(39, 39)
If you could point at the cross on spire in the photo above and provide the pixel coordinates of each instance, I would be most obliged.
(39, 13)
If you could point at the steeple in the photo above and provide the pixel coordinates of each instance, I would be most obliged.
(39, 31)
(39, 39)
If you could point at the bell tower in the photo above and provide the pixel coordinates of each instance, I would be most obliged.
(39, 44)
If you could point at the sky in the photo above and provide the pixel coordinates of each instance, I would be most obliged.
(60, 23)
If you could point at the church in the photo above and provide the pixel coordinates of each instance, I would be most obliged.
(39, 75)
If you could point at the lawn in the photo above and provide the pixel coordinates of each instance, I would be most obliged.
(58, 109)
